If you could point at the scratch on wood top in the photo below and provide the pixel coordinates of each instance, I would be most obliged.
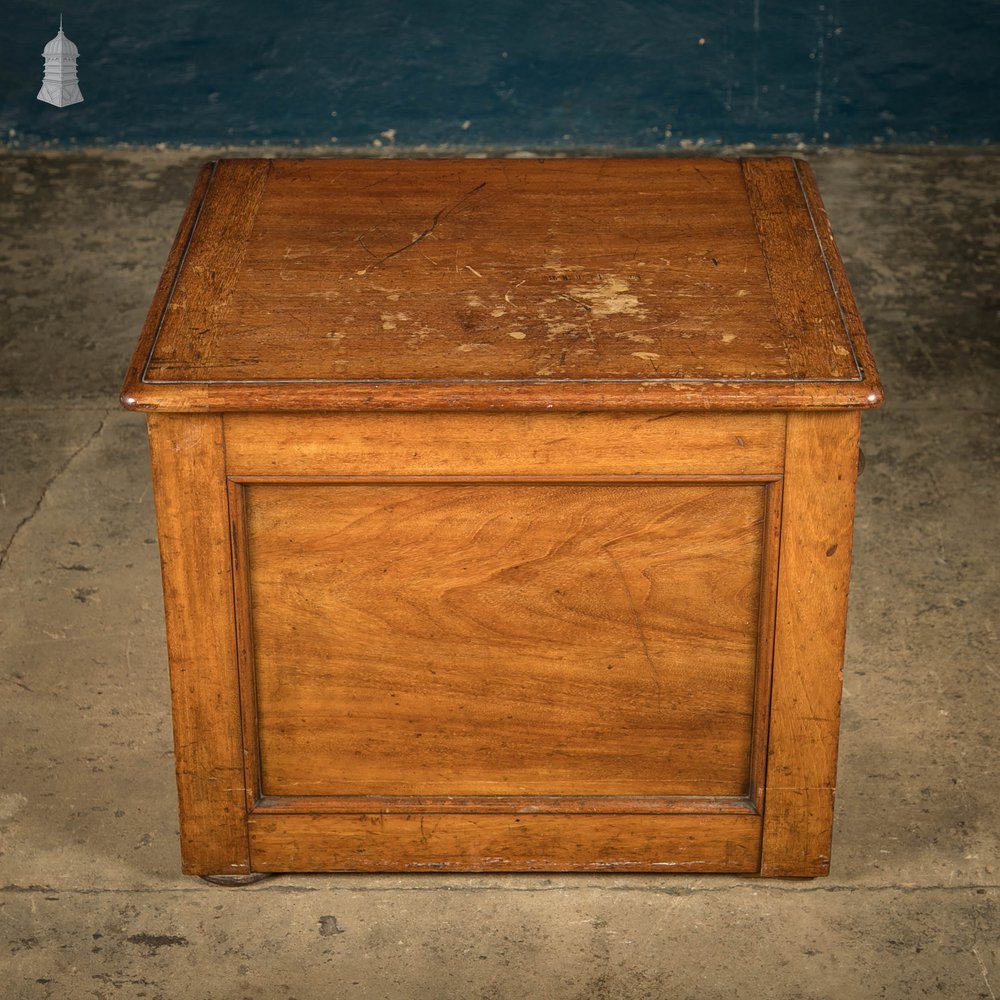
(438, 216)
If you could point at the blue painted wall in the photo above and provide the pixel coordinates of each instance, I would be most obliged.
(621, 74)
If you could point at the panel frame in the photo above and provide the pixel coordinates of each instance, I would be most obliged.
(192, 513)
(821, 469)
(505, 444)
(649, 833)
(261, 805)
(376, 842)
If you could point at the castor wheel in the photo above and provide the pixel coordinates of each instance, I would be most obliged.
(236, 880)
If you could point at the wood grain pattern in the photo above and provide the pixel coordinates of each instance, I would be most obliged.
(504, 639)
(215, 260)
(815, 562)
(380, 843)
(193, 523)
(486, 444)
(585, 284)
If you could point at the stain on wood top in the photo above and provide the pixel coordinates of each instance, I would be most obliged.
(478, 284)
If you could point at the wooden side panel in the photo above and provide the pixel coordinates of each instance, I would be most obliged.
(505, 639)
(381, 843)
(193, 518)
(548, 444)
(814, 569)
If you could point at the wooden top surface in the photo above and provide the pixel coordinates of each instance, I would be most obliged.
(503, 284)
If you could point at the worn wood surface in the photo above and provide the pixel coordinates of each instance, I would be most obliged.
(504, 639)
(563, 284)
(815, 563)
(193, 524)
(838, 276)
(801, 295)
(387, 843)
(488, 444)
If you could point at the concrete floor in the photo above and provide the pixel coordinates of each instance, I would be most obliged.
(93, 904)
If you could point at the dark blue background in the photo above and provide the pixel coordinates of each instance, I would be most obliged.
(621, 74)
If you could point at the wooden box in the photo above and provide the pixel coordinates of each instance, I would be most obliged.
(505, 510)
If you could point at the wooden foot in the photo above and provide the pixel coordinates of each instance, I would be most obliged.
(236, 880)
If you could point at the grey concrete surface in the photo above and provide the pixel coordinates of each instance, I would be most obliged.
(92, 904)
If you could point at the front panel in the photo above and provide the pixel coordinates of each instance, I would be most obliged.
(480, 639)
(549, 672)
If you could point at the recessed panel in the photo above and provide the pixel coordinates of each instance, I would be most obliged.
(479, 639)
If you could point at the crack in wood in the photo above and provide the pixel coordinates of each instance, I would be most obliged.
(438, 216)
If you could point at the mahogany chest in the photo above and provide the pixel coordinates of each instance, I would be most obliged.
(505, 512)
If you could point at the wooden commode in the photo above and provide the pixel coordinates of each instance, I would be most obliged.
(505, 511)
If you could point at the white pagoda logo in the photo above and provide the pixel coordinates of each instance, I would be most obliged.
(59, 85)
